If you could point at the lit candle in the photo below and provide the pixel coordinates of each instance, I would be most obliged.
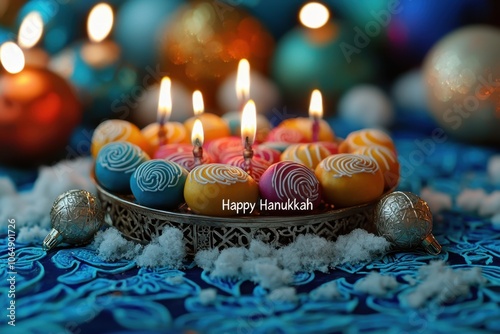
(198, 106)
(30, 33)
(243, 82)
(38, 111)
(248, 130)
(99, 52)
(197, 141)
(164, 109)
(316, 112)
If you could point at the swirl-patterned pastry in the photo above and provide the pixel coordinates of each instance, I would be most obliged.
(118, 130)
(115, 164)
(217, 189)
(259, 166)
(307, 154)
(387, 162)
(159, 184)
(262, 152)
(290, 181)
(220, 146)
(304, 126)
(186, 159)
(366, 138)
(349, 164)
(286, 135)
(350, 179)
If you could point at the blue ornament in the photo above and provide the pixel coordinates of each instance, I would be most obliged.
(80, 142)
(420, 24)
(307, 59)
(115, 164)
(139, 29)
(105, 90)
(159, 184)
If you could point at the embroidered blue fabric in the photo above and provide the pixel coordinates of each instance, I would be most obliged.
(72, 290)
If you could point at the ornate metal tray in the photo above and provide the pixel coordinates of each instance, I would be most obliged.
(140, 223)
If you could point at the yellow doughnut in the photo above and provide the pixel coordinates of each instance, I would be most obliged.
(387, 162)
(213, 189)
(307, 154)
(118, 130)
(349, 179)
(365, 138)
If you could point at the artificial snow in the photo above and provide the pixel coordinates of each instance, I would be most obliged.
(436, 200)
(175, 280)
(32, 208)
(325, 292)
(273, 268)
(441, 284)
(494, 169)
(34, 234)
(376, 284)
(167, 250)
(491, 205)
(207, 296)
(470, 199)
(283, 295)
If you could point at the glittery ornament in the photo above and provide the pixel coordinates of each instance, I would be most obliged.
(462, 76)
(405, 220)
(76, 216)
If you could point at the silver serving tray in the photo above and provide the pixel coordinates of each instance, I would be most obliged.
(141, 224)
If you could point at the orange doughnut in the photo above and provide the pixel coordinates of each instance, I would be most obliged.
(365, 138)
(213, 126)
(304, 126)
(387, 162)
(176, 133)
(118, 130)
(349, 179)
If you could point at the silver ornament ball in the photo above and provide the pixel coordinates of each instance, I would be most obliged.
(462, 77)
(76, 216)
(405, 220)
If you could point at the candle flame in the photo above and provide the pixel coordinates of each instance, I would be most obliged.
(249, 123)
(316, 105)
(314, 15)
(165, 100)
(198, 105)
(31, 30)
(100, 22)
(243, 81)
(12, 57)
(197, 136)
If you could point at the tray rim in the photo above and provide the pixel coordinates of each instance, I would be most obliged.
(251, 221)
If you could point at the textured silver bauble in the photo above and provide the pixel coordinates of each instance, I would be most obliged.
(405, 220)
(76, 216)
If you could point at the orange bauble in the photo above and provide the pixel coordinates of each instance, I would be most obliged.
(206, 40)
(38, 113)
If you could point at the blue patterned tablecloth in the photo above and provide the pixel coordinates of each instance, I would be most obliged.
(72, 290)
